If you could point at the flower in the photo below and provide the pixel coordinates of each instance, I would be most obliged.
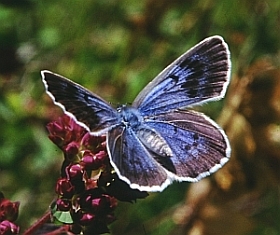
(76, 175)
(8, 209)
(65, 188)
(74, 172)
(88, 188)
(96, 211)
(8, 228)
(8, 214)
(95, 201)
(66, 134)
(63, 204)
(94, 143)
(92, 161)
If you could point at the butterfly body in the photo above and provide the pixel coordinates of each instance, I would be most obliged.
(156, 140)
(130, 117)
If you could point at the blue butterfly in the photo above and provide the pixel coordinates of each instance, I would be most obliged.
(156, 140)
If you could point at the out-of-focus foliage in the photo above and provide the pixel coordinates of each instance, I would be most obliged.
(116, 47)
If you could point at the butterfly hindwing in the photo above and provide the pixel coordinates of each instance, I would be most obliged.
(198, 144)
(199, 75)
(91, 111)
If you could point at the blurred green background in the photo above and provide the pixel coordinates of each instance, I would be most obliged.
(114, 48)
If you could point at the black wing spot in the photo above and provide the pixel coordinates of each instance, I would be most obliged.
(86, 98)
(197, 76)
(196, 136)
(174, 77)
(191, 87)
(166, 163)
(188, 147)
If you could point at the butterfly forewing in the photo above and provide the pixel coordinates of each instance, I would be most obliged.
(199, 75)
(91, 111)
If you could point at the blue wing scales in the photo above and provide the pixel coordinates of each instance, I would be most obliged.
(200, 75)
(134, 163)
(199, 145)
(91, 111)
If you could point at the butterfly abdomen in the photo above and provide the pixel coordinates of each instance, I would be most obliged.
(153, 141)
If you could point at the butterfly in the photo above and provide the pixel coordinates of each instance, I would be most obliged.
(156, 140)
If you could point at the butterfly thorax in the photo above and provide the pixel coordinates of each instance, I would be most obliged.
(130, 116)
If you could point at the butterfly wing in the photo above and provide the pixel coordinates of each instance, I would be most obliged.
(199, 145)
(199, 75)
(134, 163)
(89, 110)
(182, 145)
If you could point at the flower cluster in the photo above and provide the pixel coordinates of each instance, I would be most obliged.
(88, 188)
(8, 214)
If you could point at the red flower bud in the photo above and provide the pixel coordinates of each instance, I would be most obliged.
(8, 210)
(74, 172)
(96, 202)
(93, 161)
(72, 148)
(94, 143)
(63, 204)
(91, 184)
(64, 188)
(65, 130)
(8, 228)
(86, 218)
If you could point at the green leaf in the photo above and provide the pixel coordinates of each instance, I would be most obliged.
(63, 216)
